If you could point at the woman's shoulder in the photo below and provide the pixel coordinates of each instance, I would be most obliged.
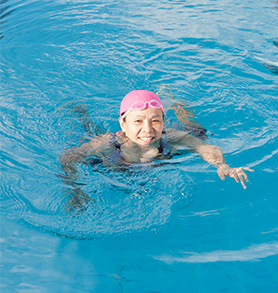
(174, 135)
(107, 140)
(182, 138)
(101, 145)
(100, 140)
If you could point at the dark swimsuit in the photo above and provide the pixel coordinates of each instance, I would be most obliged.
(163, 149)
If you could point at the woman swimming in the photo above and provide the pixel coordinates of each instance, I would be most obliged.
(142, 139)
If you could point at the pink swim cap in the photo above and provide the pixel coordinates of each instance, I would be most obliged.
(147, 97)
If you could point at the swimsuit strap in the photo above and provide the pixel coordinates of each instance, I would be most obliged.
(117, 152)
(164, 147)
(115, 141)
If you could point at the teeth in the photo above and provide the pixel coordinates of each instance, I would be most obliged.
(146, 138)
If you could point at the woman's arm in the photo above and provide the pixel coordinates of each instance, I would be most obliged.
(211, 154)
(98, 147)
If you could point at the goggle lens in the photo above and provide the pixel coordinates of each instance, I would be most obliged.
(140, 105)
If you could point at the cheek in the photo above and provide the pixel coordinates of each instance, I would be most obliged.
(159, 128)
(131, 130)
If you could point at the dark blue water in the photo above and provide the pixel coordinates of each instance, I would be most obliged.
(171, 226)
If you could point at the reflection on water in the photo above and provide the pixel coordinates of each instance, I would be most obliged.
(184, 118)
(91, 127)
(272, 67)
(274, 2)
(5, 10)
(249, 254)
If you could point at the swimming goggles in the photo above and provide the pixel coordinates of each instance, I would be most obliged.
(141, 105)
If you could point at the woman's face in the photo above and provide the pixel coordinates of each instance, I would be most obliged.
(143, 127)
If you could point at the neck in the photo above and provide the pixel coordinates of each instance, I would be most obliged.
(135, 153)
(154, 145)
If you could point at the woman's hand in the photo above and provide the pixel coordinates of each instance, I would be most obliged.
(237, 173)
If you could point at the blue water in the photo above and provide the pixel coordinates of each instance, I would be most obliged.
(172, 226)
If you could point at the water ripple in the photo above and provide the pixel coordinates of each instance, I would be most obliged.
(115, 206)
(58, 53)
(251, 253)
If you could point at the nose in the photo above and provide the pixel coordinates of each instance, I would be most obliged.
(147, 126)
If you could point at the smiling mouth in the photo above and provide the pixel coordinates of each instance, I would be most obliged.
(146, 139)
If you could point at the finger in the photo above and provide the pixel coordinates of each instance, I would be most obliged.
(234, 175)
(221, 175)
(241, 174)
(243, 184)
(247, 169)
(245, 176)
(242, 181)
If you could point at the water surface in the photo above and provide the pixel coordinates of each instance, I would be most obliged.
(173, 226)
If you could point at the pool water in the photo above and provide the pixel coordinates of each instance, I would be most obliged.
(168, 226)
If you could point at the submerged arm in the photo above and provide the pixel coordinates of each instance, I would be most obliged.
(98, 147)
